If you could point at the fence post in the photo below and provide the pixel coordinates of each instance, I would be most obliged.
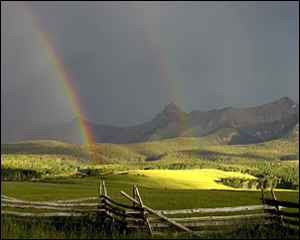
(104, 200)
(104, 188)
(134, 194)
(279, 219)
(100, 188)
(100, 193)
(145, 217)
(262, 193)
(263, 200)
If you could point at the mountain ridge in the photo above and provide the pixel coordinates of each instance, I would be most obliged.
(255, 124)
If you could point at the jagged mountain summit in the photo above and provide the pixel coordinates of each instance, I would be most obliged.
(265, 122)
(255, 124)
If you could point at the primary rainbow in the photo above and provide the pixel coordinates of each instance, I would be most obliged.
(171, 79)
(86, 134)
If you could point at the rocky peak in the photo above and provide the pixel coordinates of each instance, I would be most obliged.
(284, 100)
(172, 108)
(173, 113)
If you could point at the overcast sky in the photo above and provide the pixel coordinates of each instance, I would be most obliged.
(128, 60)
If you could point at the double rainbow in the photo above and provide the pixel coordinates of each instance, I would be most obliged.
(169, 74)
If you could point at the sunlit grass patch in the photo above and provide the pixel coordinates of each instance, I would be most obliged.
(189, 179)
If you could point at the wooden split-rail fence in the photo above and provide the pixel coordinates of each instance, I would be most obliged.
(138, 214)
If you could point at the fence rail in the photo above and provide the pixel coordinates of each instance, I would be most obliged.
(279, 213)
(138, 215)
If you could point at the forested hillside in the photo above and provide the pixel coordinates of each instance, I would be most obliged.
(213, 147)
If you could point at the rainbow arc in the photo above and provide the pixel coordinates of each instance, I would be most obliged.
(85, 131)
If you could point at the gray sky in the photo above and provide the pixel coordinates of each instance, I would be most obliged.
(128, 60)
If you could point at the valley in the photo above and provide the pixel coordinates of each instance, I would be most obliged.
(176, 173)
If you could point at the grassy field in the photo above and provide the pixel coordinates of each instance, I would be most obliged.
(192, 197)
(156, 198)
(199, 188)
(158, 179)
(159, 189)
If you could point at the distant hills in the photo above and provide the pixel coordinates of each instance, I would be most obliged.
(213, 147)
(247, 125)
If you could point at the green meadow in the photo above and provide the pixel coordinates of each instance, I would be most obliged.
(161, 179)
(156, 198)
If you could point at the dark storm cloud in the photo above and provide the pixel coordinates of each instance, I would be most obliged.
(237, 54)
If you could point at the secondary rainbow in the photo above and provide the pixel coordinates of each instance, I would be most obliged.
(86, 134)
(170, 76)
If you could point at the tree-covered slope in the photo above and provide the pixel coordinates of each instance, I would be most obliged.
(216, 146)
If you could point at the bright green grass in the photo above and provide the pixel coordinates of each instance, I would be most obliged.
(46, 191)
(190, 179)
(161, 179)
(153, 197)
